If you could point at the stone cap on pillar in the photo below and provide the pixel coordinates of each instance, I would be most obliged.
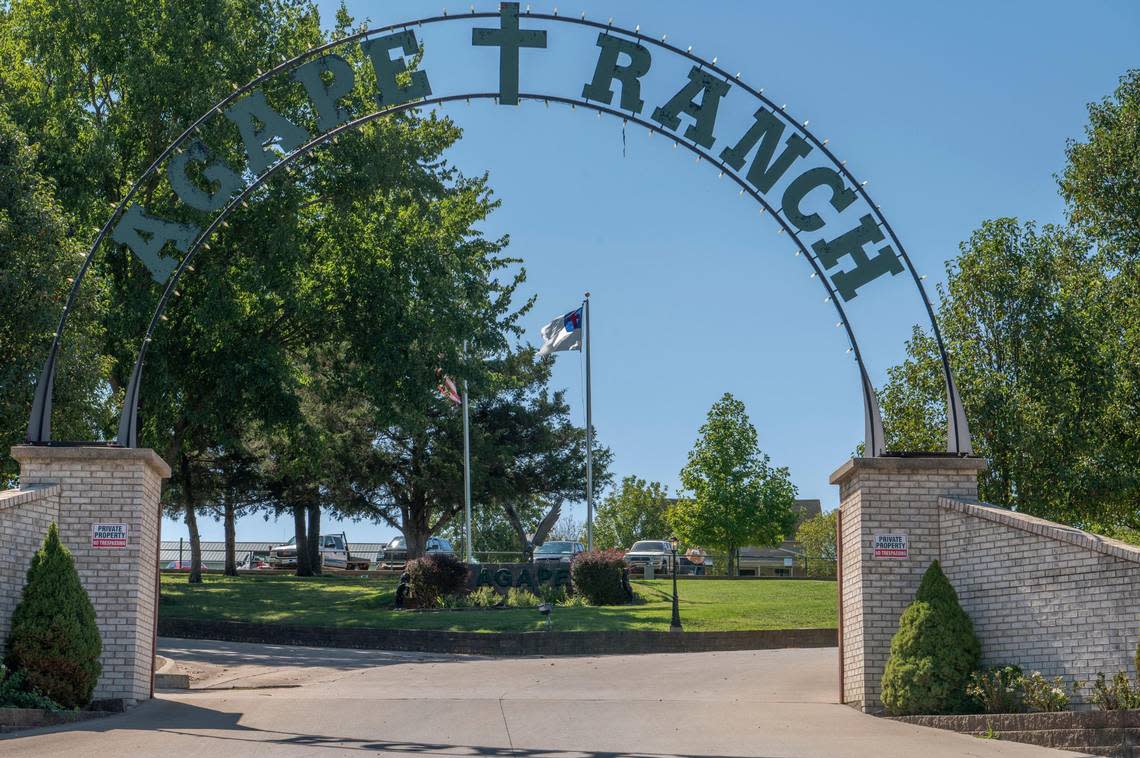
(897, 463)
(53, 453)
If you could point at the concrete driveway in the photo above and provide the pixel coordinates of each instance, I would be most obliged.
(254, 700)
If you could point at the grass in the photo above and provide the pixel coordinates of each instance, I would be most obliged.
(337, 601)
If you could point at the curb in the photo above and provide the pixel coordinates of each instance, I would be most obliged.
(498, 643)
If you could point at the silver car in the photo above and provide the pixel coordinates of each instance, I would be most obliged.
(655, 553)
(557, 552)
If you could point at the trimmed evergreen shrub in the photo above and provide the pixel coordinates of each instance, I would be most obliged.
(433, 577)
(597, 576)
(932, 654)
(14, 693)
(54, 643)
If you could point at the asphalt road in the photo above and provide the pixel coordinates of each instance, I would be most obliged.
(255, 700)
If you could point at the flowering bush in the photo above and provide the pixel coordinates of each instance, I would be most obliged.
(999, 689)
(1042, 694)
(1116, 694)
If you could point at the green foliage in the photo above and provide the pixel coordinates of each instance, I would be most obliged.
(634, 510)
(485, 597)
(1101, 182)
(1044, 695)
(549, 593)
(1116, 694)
(518, 597)
(816, 536)
(998, 689)
(738, 498)
(38, 252)
(1044, 341)
(15, 693)
(933, 653)
(54, 641)
(597, 576)
(434, 577)
(524, 448)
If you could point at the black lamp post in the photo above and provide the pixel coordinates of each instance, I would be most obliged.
(675, 624)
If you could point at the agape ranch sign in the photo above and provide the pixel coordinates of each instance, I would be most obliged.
(565, 61)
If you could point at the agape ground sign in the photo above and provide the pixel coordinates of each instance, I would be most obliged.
(793, 176)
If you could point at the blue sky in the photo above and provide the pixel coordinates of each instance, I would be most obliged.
(953, 113)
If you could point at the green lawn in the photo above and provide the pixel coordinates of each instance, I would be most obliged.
(706, 605)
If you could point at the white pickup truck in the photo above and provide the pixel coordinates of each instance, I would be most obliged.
(334, 551)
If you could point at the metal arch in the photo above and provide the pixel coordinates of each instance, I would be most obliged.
(39, 423)
(128, 422)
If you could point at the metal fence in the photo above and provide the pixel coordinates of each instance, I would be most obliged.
(714, 565)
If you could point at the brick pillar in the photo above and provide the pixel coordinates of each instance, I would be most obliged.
(110, 485)
(887, 496)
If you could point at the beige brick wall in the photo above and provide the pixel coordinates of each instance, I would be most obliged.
(25, 515)
(1043, 596)
(895, 496)
(109, 485)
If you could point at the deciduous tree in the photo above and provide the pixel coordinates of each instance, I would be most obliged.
(737, 497)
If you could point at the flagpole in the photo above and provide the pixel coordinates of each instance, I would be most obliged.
(467, 473)
(589, 432)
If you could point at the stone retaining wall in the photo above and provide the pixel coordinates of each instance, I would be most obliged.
(1108, 733)
(499, 643)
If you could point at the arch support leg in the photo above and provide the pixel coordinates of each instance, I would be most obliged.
(39, 423)
(957, 428)
(873, 441)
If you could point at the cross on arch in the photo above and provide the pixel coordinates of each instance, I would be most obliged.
(509, 39)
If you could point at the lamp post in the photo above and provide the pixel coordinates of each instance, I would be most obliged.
(675, 624)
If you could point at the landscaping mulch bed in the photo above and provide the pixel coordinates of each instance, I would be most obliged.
(1106, 733)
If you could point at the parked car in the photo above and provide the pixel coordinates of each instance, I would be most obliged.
(557, 552)
(655, 553)
(334, 551)
(395, 554)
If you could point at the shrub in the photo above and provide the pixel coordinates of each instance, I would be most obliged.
(485, 597)
(549, 593)
(933, 653)
(54, 642)
(597, 576)
(1116, 694)
(14, 693)
(457, 600)
(517, 597)
(1041, 694)
(434, 577)
(999, 689)
(573, 600)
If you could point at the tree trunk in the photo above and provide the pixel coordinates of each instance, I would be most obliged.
(304, 567)
(314, 538)
(731, 561)
(195, 546)
(231, 537)
(416, 531)
(189, 504)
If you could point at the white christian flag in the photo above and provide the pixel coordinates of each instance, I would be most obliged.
(563, 333)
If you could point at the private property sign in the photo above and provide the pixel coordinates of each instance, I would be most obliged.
(109, 535)
(891, 546)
